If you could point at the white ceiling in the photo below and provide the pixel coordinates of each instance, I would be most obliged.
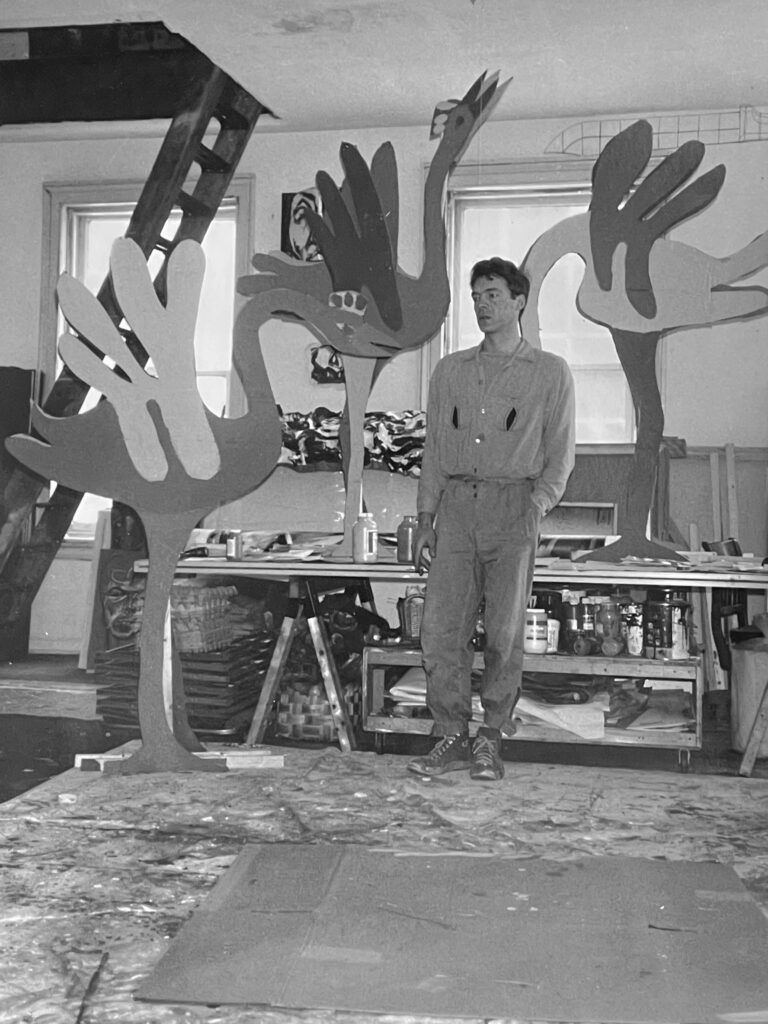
(339, 64)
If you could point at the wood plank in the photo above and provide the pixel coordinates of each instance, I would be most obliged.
(262, 757)
(731, 492)
(274, 676)
(715, 677)
(101, 540)
(714, 475)
(756, 736)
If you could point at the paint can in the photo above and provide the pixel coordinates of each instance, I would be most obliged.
(234, 550)
(535, 634)
(666, 632)
(365, 539)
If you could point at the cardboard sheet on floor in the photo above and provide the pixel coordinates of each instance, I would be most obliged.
(346, 927)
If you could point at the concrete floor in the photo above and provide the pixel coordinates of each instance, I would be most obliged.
(100, 872)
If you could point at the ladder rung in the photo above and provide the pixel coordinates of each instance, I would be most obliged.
(229, 117)
(210, 161)
(194, 206)
(163, 244)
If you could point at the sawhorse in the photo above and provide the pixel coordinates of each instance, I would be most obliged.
(303, 602)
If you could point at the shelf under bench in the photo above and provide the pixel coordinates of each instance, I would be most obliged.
(376, 661)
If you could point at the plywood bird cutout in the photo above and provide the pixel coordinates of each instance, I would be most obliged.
(641, 285)
(152, 444)
(358, 299)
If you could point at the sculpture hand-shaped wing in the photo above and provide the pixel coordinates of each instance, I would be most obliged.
(353, 236)
(165, 332)
(618, 166)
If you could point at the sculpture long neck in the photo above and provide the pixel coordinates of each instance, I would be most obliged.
(247, 355)
(567, 236)
(434, 223)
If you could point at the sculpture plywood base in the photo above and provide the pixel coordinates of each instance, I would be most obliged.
(170, 757)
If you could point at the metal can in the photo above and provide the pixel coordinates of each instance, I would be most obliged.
(667, 626)
(235, 545)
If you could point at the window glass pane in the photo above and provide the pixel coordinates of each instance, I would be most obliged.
(602, 405)
(493, 225)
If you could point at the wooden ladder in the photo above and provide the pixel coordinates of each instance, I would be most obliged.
(216, 104)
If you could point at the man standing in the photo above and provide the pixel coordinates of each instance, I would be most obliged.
(498, 452)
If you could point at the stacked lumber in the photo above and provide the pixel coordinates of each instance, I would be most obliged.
(221, 687)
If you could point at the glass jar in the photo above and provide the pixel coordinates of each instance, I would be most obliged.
(610, 621)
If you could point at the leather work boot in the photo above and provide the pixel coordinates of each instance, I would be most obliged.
(487, 765)
(449, 754)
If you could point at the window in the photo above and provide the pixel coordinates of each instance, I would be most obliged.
(505, 221)
(83, 221)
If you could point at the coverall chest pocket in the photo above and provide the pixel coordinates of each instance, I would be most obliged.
(508, 414)
(454, 441)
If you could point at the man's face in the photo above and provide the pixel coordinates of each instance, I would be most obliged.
(495, 306)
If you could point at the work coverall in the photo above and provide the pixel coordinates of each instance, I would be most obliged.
(498, 451)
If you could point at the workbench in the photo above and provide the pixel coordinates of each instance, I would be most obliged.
(307, 577)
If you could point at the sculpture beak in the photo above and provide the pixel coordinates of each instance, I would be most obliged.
(484, 95)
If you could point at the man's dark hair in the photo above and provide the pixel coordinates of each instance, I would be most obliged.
(497, 267)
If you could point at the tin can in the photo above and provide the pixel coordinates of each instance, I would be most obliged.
(667, 626)
(235, 545)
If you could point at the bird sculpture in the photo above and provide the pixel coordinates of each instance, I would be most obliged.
(357, 299)
(641, 286)
(152, 444)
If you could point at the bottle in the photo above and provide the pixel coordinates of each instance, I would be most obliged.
(553, 634)
(588, 616)
(405, 533)
(365, 539)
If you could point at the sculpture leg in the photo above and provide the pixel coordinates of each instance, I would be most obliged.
(637, 353)
(359, 375)
(160, 749)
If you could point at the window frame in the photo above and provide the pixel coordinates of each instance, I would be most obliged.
(558, 177)
(58, 196)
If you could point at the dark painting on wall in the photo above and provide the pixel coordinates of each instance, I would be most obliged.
(295, 235)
